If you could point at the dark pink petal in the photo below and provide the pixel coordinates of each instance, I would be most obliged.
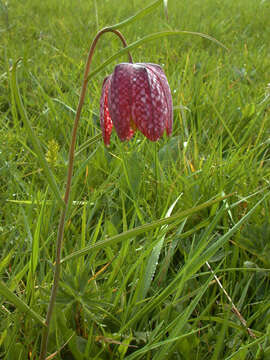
(136, 96)
(105, 118)
(149, 106)
(167, 93)
(119, 101)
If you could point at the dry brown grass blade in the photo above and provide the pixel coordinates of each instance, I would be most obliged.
(234, 308)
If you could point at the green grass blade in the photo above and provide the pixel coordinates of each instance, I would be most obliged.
(165, 5)
(160, 344)
(193, 265)
(259, 340)
(221, 339)
(18, 277)
(37, 147)
(147, 10)
(147, 39)
(80, 264)
(88, 143)
(35, 249)
(176, 285)
(223, 121)
(4, 262)
(181, 321)
(142, 229)
(36, 238)
(153, 260)
(18, 303)
(213, 248)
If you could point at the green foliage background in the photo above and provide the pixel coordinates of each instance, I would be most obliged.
(145, 294)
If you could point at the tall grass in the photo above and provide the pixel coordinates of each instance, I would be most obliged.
(143, 218)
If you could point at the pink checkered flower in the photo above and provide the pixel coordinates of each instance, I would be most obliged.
(136, 96)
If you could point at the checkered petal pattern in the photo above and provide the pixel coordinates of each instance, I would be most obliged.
(136, 96)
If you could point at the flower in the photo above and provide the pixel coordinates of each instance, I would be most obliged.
(136, 96)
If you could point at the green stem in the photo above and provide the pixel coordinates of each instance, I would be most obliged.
(60, 234)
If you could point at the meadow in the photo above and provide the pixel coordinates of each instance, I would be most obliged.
(166, 250)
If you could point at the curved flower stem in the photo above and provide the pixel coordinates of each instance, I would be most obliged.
(156, 175)
(60, 234)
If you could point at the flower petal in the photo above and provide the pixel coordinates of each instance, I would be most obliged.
(149, 107)
(167, 92)
(119, 101)
(105, 118)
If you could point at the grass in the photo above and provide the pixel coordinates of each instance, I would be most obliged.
(134, 280)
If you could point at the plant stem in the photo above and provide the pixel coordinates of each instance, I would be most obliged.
(60, 233)
(156, 174)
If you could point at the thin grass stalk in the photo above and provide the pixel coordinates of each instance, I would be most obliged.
(234, 308)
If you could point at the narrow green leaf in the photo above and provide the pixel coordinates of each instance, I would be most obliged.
(17, 278)
(147, 10)
(80, 264)
(21, 305)
(88, 143)
(221, 338)
(77, 176)
(259, 340)
(191, 267)
(47, 202)
(223, 121)
(200, 260)
(13, 101)
(177, 284)
(181, 321)
(35, 249)
(147, 348)
(147, 39)
(142, 229)
(67, 107)
(97, 228)
(4, 262)
(35, 245)
(154, 257)
(37, 147)
(165, 5)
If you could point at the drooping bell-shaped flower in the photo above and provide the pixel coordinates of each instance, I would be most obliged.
(136, 96)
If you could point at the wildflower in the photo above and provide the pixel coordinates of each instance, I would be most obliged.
(136, 96)
(52, 152)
